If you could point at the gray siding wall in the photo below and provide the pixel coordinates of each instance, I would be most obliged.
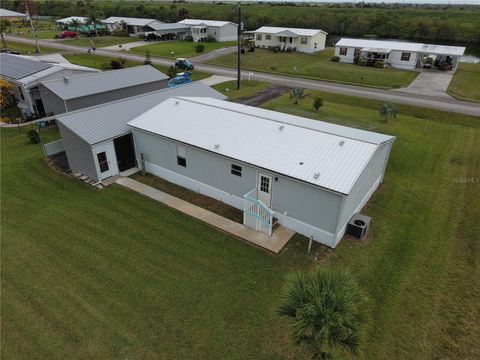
(86, 101)
(312, 205)
(227, 33)
(51, 102)
(79, 153)
(373, 171)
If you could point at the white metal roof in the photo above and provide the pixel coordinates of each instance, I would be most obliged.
(129, 21)
(215, 23)
(89, 84)
(105, 121)
(298, 31)
(68, 20)
(402, 46)
(10, 13)
(377, 50)
(267, 139)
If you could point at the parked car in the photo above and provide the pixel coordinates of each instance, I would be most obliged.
(151, 37)
(180, 79)
(444, 66)
(184, 64)
(66, 35)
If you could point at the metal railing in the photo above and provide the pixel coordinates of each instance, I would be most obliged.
(256, 214)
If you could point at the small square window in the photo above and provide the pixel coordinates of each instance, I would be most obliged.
(343, 51)
(268, 37)
(405, 56)
(304, 40)
(236, 170)
(181, 161)
(181, 156)
(259, 37)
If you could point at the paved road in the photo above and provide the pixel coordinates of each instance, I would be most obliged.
(434, 102)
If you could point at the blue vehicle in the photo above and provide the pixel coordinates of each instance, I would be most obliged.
(184, 64)
(180, 79)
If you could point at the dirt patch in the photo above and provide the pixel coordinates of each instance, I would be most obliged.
(264, 96)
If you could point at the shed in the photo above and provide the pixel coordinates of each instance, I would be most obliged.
(310, 175)
(97, 141)
(77, 92)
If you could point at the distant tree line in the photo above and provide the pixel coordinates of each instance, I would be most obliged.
(425, 23)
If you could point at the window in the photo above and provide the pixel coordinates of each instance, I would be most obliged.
(264, 184)
(102, 161)
(343, 51)
(405, 56)
(236, 170)
(259, 37)
(21, 92)
(268, 37)
(181, 156)
(304, 40)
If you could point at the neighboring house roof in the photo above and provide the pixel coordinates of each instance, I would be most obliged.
(130, 21)
(10, 13)
(402, 46)
(49, 58)
(214, 23)
(167, 26)
(90, 84)
(296, 31)
(102, 122)
(26, 69)
(68, 20)
(322, 154)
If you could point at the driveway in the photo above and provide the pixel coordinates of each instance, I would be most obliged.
(431, 83)
(128, 46)
(213, 54)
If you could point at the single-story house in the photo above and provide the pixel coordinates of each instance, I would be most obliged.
(169, 31)
(84, 25)
(81, 91)
(219, 30)
(97, 141)
(27, 72)
(136, 27)
(302, 40)
(311, 176)
(398, 54)
(12, 15)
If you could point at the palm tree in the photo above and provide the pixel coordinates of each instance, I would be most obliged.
(75, 23)
(328, 311)
(93, 19)
(388, 109)
(297, 95)
(4, 26)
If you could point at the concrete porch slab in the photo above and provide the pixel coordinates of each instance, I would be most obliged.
(274, 243)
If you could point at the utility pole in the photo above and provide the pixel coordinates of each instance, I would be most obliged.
(37, 48)
(239, 36)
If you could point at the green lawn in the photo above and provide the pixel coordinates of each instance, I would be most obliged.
(101, 41)
(111, 274)
(27, 49)
(465, 84)
(103, 63)
(179, 48)
(247, 88)
(318, 66)
(49, 34)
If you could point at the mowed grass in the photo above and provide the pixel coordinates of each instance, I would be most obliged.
(319, 67)
(465, 84)
(111, 274)
(27, 49)
(421, 263)
(176, 49)
(100, 41)
(247, 88)
(103, 63)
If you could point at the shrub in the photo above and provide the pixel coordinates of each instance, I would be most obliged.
(335, 58)
(33, 136)
(114, 64)
(317, 103)
(379, 64)
(188, 38)
(289, 50)
(362, 62)
(199, 48)
(119, 32)
(172, 71)
(356, 58)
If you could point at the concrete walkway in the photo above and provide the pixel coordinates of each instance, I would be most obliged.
(213, 54)
(216, 79)
(432, 83)
(274, 243)
(128, 46)
(428, 101)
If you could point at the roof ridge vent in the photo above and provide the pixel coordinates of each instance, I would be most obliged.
(281, 127)
(217, 146)
(65, 79)
(342, 142)
(316, 175)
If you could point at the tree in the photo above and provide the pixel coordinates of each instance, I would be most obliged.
(148, 60)
(199, 48)
(7, 99)
(317, 103)
(4, 26)
(328, 311)
(172, 71)
(297, 95)
(93, 19)
(387, 110)
(75, 23)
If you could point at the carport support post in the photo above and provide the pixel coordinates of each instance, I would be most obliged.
(310, 244)
(142, 161)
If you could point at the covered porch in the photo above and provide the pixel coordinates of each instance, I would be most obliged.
(286, 40)
(374, 55)
(199, 33)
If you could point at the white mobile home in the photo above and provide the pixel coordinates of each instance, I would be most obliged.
(398, 54)
(302, 40)
(219, 30)
(309, 175)
(135, 27)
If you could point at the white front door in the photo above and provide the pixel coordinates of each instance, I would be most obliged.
(103, 164)
(264, 188)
